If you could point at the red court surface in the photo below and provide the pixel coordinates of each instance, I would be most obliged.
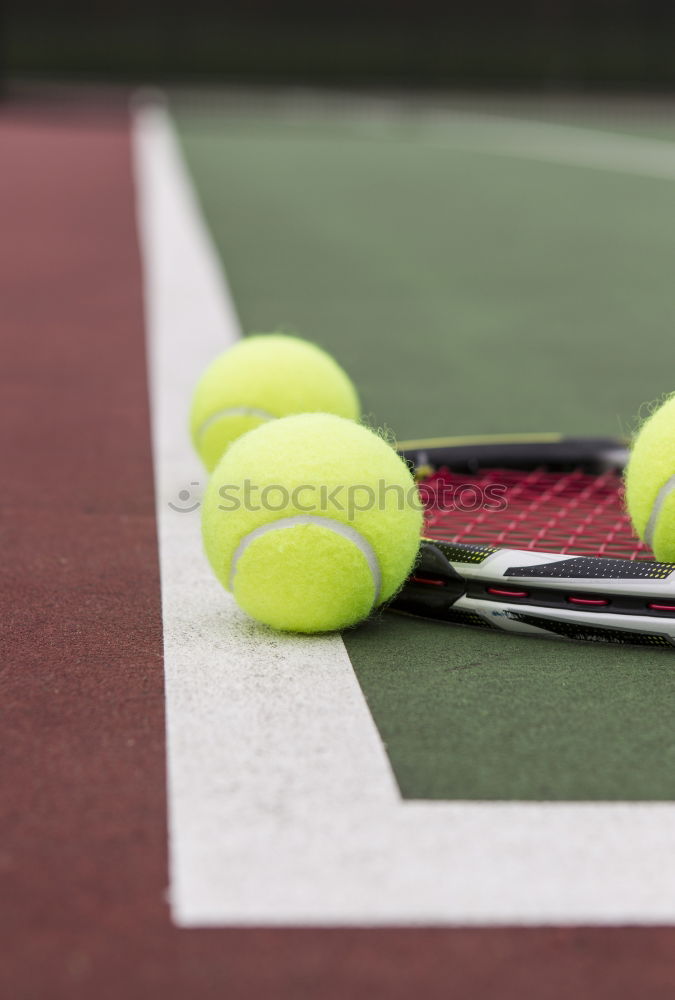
(84, 835)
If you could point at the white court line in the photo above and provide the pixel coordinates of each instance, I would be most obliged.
(283, 808)
(553, 143)
(474, 131)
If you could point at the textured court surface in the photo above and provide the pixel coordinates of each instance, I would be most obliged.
(369, 257)
(481, 268)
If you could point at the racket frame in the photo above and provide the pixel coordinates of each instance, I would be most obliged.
(545, 594)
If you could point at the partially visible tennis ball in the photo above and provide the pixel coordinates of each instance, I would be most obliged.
(311, 521)
(260, 378)
(650, 482)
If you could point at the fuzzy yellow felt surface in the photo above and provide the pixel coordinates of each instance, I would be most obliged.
(307, 575)
(650, 467)
(263, 377)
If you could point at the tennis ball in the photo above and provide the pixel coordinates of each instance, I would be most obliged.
(650, 482)
(260, 378)
(311, 521)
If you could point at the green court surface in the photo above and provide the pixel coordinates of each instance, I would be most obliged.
(479, 268)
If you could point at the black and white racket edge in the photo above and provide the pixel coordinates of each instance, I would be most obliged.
(588, 598)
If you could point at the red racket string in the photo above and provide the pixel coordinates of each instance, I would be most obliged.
(571, 512)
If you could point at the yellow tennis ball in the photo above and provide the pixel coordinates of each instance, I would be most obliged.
(650, 482)
(311, 521)
(263, 377)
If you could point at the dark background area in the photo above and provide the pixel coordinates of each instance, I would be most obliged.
(537, 44)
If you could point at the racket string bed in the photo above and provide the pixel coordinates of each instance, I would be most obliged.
(572, 512)
(531, 537)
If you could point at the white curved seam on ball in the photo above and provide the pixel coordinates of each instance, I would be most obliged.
(657, 506)
(351, 534)
(233, 411)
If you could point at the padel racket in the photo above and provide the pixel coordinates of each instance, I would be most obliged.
(528, 534)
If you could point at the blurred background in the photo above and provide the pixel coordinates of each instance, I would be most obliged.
(530, 44)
